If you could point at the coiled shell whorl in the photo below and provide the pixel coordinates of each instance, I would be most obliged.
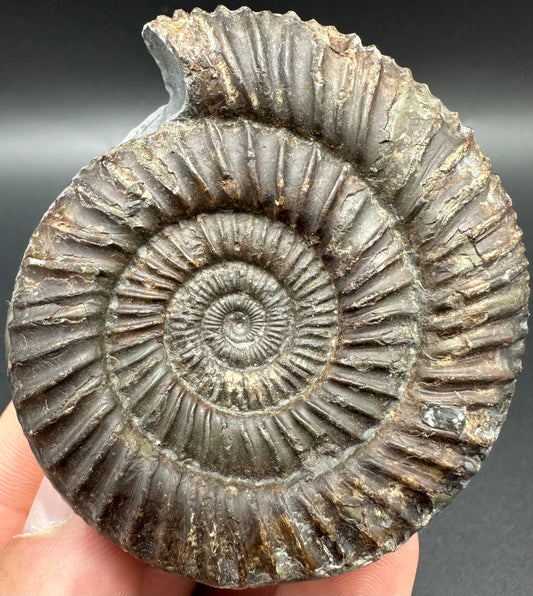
(273, 333)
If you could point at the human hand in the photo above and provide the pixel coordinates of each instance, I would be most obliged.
(46, 549)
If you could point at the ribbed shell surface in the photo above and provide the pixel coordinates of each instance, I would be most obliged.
(275, 332)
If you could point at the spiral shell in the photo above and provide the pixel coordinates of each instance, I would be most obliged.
(272, 334)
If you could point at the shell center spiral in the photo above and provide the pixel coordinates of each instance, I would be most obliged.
(247, 332)
(234, 313)
(247, 318)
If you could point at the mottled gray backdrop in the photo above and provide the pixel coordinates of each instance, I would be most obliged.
(75, 78)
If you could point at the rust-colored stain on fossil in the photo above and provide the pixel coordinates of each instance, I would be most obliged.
(275, 331)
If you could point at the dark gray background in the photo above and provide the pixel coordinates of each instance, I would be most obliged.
(75, 78)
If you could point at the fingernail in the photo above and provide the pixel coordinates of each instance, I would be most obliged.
(47, 511)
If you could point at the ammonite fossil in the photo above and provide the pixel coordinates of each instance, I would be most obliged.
(275, 331)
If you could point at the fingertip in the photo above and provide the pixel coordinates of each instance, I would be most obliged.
(392, 575)
(70, 558)
(157, 582)
(20, 475)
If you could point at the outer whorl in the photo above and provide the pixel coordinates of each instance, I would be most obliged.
(275, 332)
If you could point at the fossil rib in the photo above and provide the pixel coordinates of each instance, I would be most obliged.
(274, 332)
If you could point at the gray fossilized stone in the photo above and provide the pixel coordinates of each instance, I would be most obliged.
(273, 333)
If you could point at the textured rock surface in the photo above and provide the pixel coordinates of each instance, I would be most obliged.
(275, 332)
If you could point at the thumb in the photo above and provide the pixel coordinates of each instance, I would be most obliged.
(64, 554)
